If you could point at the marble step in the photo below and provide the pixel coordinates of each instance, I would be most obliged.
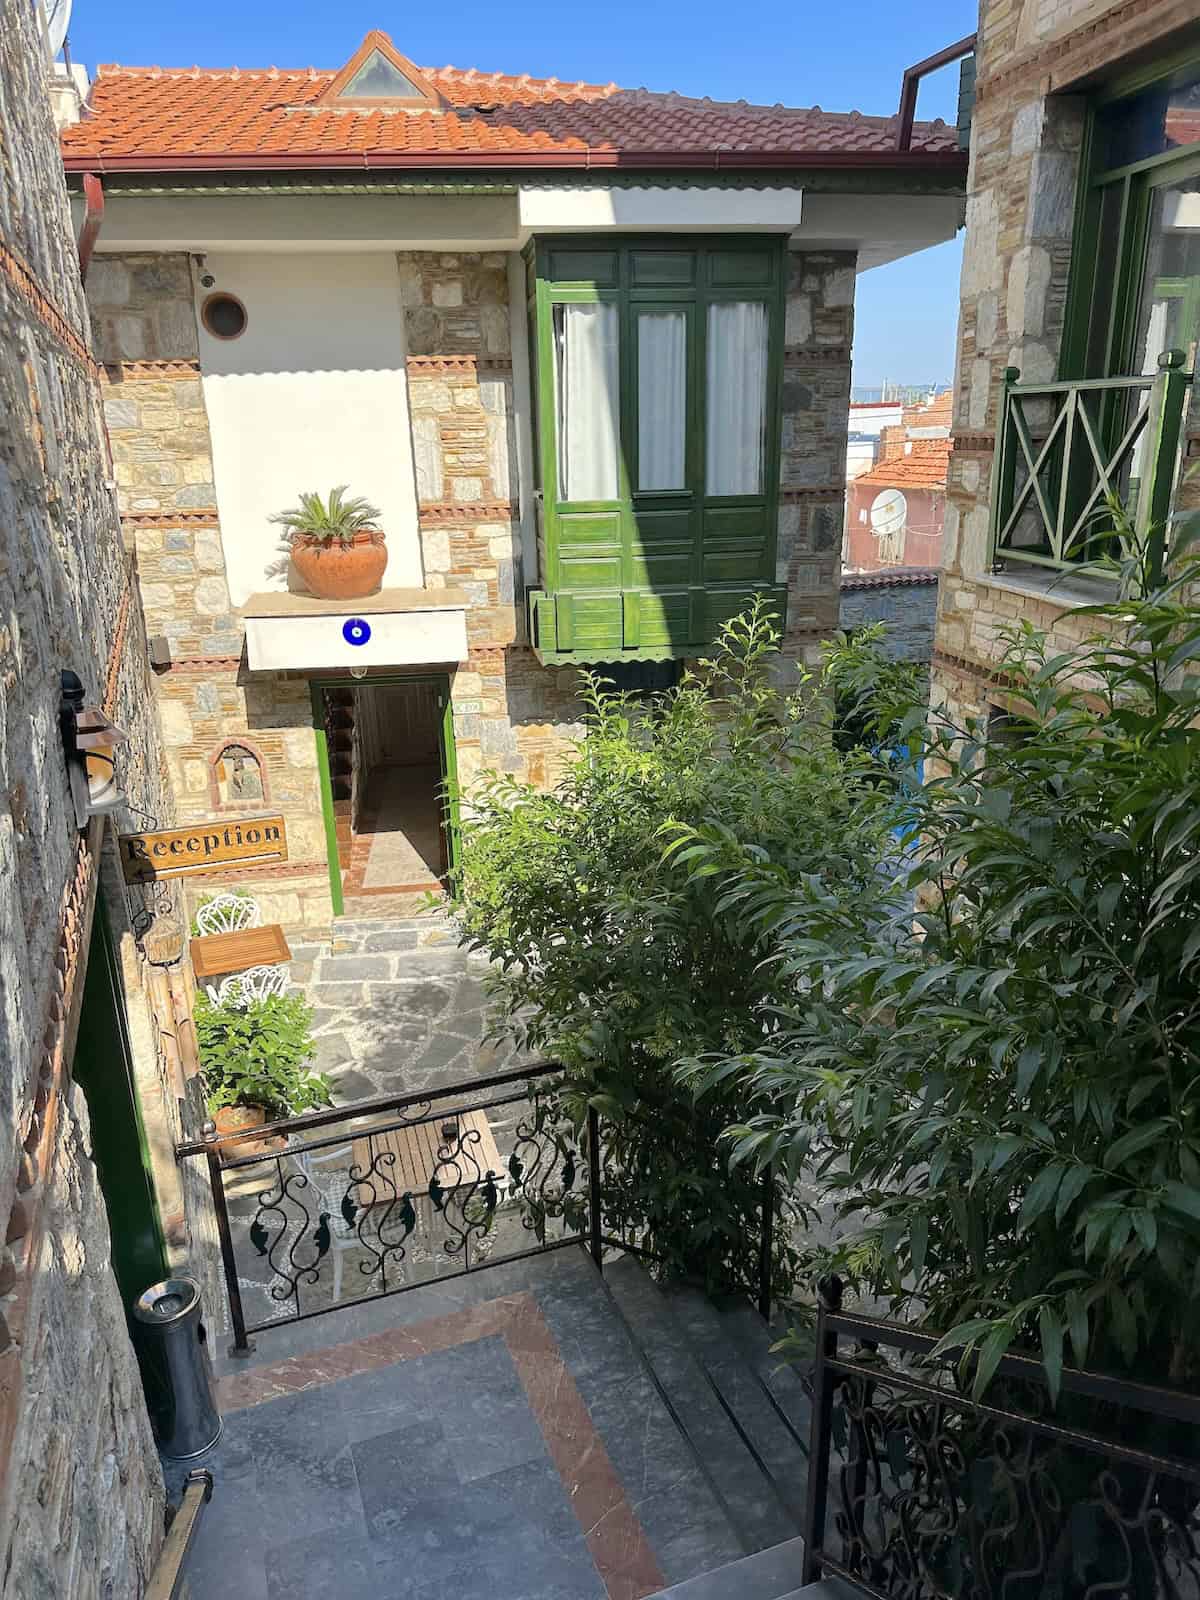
(767, 1575)
(751, 1498)
(754, 1339)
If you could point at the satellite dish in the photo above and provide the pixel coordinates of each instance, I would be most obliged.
(58, 19)
(889, 512)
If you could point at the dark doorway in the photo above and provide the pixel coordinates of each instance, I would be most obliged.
(389, 746)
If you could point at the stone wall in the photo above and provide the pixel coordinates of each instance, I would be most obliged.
(81, 1506)
(905, 604)
(1025, 156)
(144, 324)
(818, 334)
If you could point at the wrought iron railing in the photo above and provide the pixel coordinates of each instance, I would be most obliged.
(934, 1494)
(375, 1198)
(1063, 448)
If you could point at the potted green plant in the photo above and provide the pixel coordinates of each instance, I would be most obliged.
(335, 545)
(253, 1058)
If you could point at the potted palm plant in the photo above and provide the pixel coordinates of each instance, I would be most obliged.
(335, 544)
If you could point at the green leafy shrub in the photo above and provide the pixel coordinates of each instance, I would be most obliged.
(617, 959)
(1001, 1094)
(335, 519)
(255, 1055)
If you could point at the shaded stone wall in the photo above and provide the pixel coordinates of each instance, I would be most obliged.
(81, 1504)
(906, 606)
(1025, 160)
(818, 335)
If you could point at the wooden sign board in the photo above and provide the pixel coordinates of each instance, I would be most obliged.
(178, 852)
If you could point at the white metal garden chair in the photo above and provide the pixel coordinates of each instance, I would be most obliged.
(256, 983)
(328, 1174)
(228, 913)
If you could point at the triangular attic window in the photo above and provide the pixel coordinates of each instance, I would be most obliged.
(380, 79)
(377, 74)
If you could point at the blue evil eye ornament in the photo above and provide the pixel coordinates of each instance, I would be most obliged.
(355, 630)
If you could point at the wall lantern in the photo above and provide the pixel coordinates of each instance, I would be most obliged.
(89, 740)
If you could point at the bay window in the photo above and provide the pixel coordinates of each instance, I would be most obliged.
(658, 370)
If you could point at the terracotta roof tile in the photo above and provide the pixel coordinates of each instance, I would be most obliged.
(923, 467)
(146, 115)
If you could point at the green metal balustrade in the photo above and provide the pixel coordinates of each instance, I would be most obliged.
(1064, 448)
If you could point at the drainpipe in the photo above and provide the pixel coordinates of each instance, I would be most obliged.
(93, 216)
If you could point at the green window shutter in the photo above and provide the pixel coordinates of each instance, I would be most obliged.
(966, 100)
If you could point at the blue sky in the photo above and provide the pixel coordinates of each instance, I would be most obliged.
(836, 56)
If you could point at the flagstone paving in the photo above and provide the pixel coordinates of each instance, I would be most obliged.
(399, 1007)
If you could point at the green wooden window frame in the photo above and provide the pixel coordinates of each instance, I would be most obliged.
(1112, 233)
(651, 574)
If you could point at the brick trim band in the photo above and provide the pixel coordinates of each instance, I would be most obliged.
(204, 518)
(419, 365)
(817, 355)
(281, 869)
(439, 512)
(1063, 61)
(203, 664)
(131, 371)
(972, 444)
(817, 491)
(56, 323)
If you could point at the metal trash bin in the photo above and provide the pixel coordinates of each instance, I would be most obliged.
(173, 1340)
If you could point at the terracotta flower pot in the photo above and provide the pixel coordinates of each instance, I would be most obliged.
(236, 1119)
(335, 571)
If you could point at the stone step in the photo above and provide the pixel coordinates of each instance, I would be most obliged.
(767, 1575)
(767, 1398)
(754, 1339)
(751, 1498)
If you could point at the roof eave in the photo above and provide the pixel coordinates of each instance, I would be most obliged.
(563, 160)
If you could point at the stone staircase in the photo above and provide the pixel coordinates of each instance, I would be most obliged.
(745, 1419)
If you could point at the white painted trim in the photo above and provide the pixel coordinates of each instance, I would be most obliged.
(570, 209)
(398, 639)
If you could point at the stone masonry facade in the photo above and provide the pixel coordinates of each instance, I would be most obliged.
(510, 713)
(81, 1499)
(818, 335)
(1026, 139)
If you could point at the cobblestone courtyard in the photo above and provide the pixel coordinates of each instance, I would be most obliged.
(399, 1008)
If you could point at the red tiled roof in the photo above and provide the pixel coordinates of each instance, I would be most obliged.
(924, 467)
(151, 117)
(891, 578)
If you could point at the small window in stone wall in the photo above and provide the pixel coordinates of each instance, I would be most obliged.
(237, 776)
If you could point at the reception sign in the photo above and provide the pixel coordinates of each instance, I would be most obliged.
(176, 852)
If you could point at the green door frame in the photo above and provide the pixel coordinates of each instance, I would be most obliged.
(449, 761)
(103, 1068)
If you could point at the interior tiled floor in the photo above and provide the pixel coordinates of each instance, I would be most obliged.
(496, 1436)
(398, 843)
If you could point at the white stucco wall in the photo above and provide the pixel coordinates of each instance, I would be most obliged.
(312, 394)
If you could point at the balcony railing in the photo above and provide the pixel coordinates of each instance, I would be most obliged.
(1064, 448)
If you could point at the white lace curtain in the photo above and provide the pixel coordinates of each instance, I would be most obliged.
(737, 396)
(662, 399)
(586, 379)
